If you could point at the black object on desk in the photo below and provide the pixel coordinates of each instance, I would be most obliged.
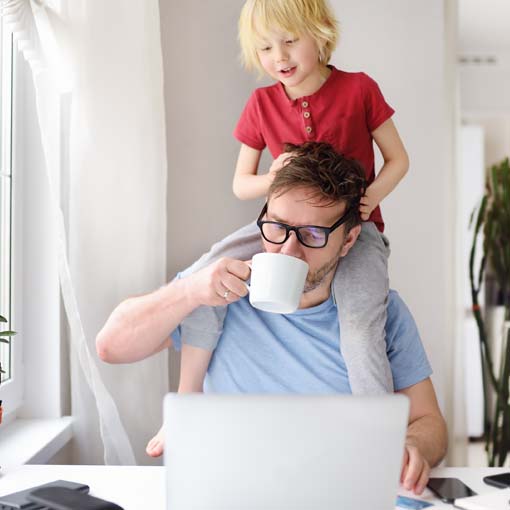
(19, 500)
(502, 480)
(449, 489)
(61, 498)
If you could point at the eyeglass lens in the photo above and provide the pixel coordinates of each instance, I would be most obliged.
(309, 236)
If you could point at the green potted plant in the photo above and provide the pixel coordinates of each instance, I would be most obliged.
(5, 338)
(492, 224)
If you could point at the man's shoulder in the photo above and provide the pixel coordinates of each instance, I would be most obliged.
(401, 327)
(396, 305)
(408, 359)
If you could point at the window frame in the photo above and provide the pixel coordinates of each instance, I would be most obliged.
(38, 352)
(11, 390)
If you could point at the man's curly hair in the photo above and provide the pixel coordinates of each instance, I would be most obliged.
(330, 176)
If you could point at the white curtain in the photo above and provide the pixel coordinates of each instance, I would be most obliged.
(118, 194)
(98, 80)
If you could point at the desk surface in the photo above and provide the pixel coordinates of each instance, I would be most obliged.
(143, 487)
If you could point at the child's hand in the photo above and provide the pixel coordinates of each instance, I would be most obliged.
(368, 203)
(279, 162)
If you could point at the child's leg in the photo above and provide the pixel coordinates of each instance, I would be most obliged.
(202, 328)
(361, 290)
(194, 363)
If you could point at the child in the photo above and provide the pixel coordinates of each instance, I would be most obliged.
(292, 41)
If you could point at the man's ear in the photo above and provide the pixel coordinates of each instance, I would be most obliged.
(350, 239)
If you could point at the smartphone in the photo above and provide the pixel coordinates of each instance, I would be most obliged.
(19, 500)
(449, 489)
(501, 481)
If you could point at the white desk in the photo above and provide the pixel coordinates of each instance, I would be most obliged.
(142, 487)
(131, 487)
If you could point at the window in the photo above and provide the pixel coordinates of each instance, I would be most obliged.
(6, 80)
(29, 285)
(11, 390)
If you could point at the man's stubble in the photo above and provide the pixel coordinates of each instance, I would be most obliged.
(316, 279)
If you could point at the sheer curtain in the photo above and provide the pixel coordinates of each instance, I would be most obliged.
(98, 79)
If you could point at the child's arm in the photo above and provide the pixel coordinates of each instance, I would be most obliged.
(396, 164)
(247, 184)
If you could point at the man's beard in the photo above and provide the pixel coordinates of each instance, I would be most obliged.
(315, 279)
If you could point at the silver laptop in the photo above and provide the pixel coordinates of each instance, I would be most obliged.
(226, 452)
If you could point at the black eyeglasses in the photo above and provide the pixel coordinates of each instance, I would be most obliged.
(311, 236)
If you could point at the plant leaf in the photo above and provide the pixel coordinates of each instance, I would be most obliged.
(7, 333)
(2, 319)
(494, 225)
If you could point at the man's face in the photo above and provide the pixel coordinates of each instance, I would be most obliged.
(296, 207)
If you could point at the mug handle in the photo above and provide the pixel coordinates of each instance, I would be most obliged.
(247, 285)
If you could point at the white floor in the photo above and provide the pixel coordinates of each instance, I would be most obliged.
(477, 456)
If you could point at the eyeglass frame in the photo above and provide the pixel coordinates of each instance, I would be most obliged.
(295, 229)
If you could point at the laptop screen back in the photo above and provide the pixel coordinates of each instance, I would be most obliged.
(242, 452)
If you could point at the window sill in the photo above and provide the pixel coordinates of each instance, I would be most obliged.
(32, 441)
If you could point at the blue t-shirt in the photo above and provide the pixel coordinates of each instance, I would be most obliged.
(261, 352)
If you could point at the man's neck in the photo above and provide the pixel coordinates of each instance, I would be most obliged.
(319, 294)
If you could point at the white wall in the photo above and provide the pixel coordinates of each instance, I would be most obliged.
(472, 166)
(401, 44)
(485, 88)
(496, 129)
(205, 91)
(485, 101)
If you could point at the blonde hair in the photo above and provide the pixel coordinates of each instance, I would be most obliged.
(312, 17)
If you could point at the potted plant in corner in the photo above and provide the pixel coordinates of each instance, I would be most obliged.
(492, 223)
(4, 338)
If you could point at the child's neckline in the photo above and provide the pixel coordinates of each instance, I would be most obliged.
(328, 79)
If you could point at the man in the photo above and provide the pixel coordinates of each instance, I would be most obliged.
(296, 353)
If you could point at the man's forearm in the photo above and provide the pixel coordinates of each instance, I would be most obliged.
(428, 433)
(140, 325)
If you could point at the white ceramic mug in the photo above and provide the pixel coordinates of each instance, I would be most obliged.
(277, 282)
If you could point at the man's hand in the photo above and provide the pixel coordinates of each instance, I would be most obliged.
(220, 283)
(426, 438)
(415, 469)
